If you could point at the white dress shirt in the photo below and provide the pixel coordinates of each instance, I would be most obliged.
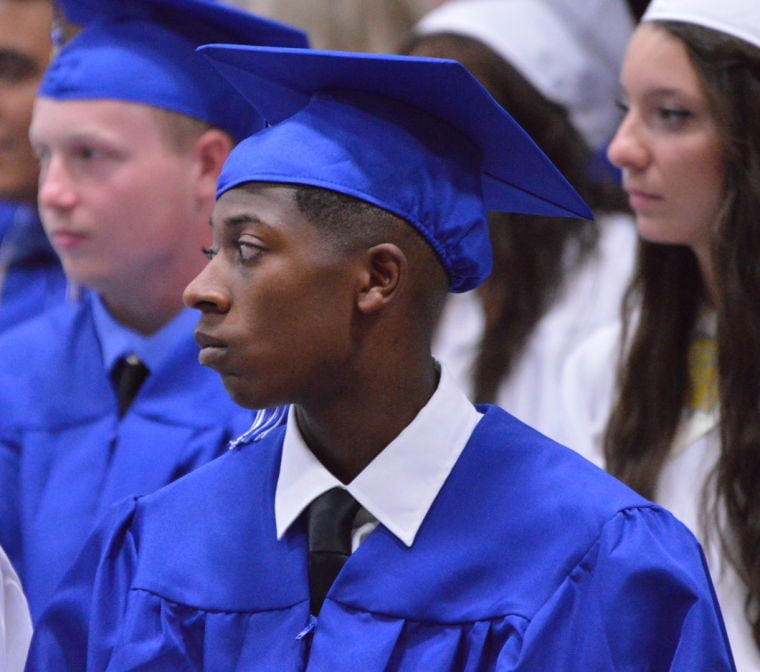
(398, 487)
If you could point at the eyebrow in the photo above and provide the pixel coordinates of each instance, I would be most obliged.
(666, 91)
(658, 90)
(235, 221)
(99, 137)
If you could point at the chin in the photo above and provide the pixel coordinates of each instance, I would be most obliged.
(653, 231)
(242, 394)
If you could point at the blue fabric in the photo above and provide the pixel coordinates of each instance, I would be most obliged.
(530, 559)
(31, 277)
(419, 137)
(64, 454)
(142, 51)
(116, 341)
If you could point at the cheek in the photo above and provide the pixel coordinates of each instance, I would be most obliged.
(140, 205)
(18, 104)
(303, 319)
(703, 185)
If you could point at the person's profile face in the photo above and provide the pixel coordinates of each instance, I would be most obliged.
(668, 144)
(117, 203)
(24, 54)
(276, 301)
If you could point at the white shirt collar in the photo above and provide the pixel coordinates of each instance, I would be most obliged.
(417, 462)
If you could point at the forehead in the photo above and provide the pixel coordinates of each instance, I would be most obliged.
(266, 207)
(25, 27)
(58, 119)
(658, 61)
(256, 200)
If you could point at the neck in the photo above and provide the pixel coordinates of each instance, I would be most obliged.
(347, 435)
(144, 314)
(148, 302)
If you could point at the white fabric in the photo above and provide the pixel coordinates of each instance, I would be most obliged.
(740, 18)
(587, 392)
(591, 299)
(570, 50)
(417, 462)
(15, 622)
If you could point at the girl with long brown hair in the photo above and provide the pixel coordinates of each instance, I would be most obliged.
(679, 418)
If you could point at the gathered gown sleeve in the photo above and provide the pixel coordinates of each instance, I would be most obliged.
(79, 628)
(633, 604)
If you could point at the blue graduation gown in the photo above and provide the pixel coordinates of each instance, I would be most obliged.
(530, 559)
(64, 454)
(32, 277)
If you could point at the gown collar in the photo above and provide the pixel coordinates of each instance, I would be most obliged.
(417, 462)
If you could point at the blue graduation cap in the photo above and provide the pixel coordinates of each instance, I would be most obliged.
(419, 137)
(143, 51)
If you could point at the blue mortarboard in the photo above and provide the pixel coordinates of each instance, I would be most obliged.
(419, 137)
(143, 51)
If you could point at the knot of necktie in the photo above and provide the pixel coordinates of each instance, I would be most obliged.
(127, 375)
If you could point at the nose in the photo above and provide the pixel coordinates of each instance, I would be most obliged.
(206, 292)
(628, 149)
(56, 190)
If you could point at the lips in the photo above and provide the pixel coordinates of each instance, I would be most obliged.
(212, 349)
(641, 200)
(204, 340)
(65, 239)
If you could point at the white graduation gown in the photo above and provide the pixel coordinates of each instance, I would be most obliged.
(591, 299)
(587, 392)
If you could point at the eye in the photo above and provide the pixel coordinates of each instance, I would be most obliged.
(673, 117)
(209, 252)
(86, 153)
(621, 105)
(247, 250)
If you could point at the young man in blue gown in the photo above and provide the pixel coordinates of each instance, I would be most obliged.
(478, 544)
(103, 397)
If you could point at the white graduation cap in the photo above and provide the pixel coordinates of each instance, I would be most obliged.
(570, 50)
(740, 18)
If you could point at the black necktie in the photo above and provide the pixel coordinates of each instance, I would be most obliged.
(127, 375)
(331, 517)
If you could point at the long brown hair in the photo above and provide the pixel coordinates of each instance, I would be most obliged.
(667, 291)
(533, 256)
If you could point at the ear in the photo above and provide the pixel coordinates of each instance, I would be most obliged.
(210, 151)
(386, 269)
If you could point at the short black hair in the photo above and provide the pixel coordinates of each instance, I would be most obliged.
(349, 222)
